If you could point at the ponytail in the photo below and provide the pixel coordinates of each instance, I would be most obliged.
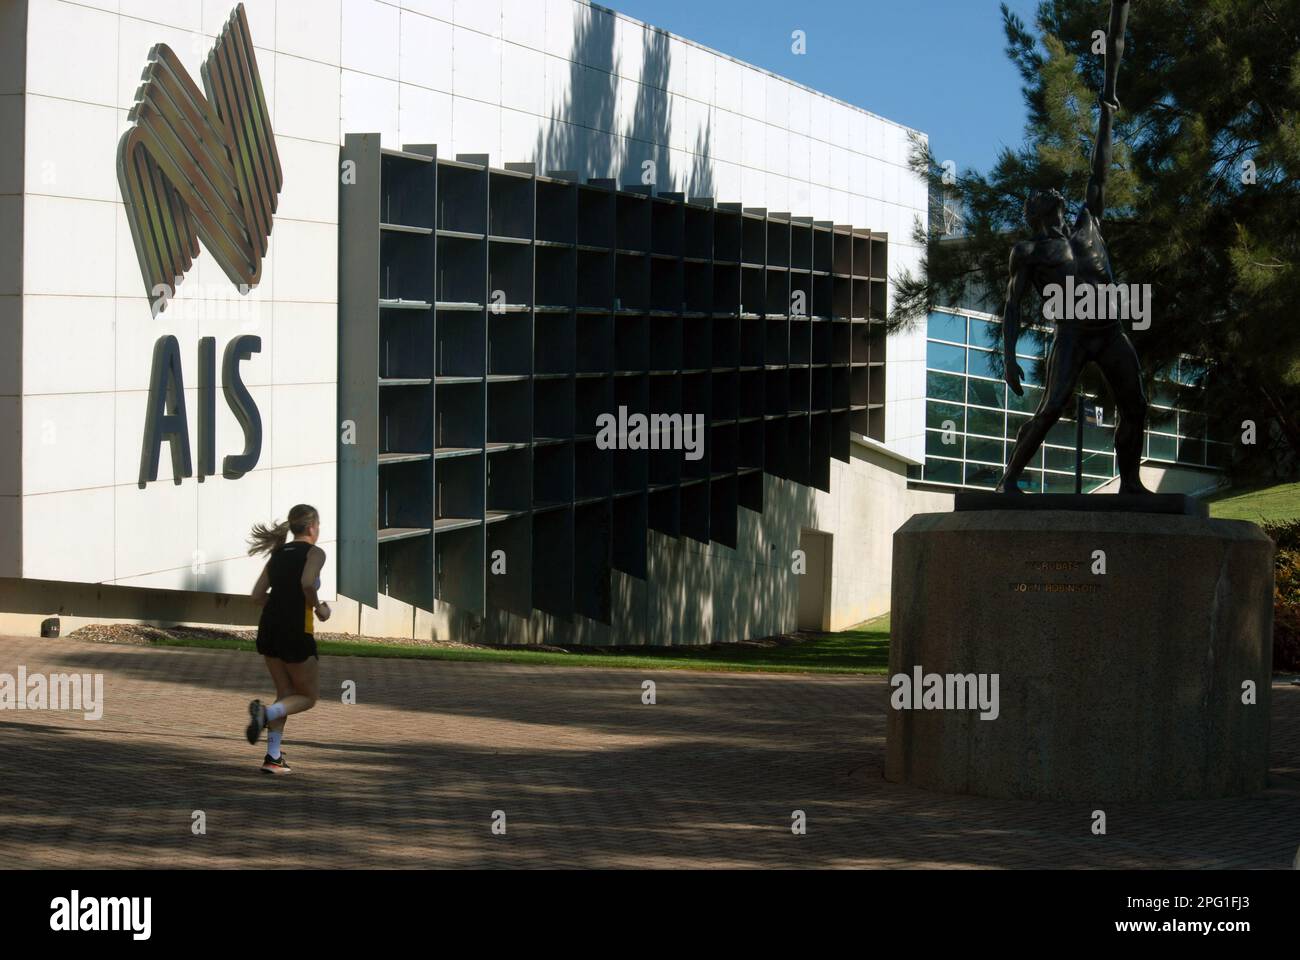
(268, 539)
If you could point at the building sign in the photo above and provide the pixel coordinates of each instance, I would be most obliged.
(193, 168)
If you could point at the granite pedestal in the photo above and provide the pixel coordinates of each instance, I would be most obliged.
(1126, 684)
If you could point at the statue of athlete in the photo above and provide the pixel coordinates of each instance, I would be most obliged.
(1048, 259)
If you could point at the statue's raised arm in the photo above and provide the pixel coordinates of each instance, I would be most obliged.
(1052, 259)
(1101, 150)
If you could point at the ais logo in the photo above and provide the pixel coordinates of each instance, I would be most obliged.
(200, 168)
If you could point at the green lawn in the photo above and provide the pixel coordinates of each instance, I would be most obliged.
(1271, 504)
(858, 650)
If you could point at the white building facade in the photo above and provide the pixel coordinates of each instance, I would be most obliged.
(561, 83)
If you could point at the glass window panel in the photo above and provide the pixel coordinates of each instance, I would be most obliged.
(1033, 343)
(989, 451)
(1031, 481)
(1099, 464)
(1058, 483)
(1218, 455)
(1191, 451)
(986, 393)
(1164, 393)
(936, 414)
(1062, 433)
(1098, 438)
(1191, 372)
(1192, 425)
(941, 444)
(1162, 447)
(986, 422)
(947, 326)
(985, 333)
(1091, 485)
(1216, 429)
(981, 364)
(1161, 420)
(981, 476)
(942, 356)
(944, 386)
(1028, 403)
(943, 471)
(1032, 370)
(1058, 459)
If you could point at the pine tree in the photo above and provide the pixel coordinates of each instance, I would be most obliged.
(1203, 201)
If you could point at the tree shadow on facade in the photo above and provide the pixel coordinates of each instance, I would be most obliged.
(585, 135)
(694, 592)
(700, 593)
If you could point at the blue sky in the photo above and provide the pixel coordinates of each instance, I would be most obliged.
(937, 65)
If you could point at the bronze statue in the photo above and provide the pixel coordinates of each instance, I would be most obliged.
(1055, 257)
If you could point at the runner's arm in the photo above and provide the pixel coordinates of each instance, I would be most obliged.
(311, 576)
(261, 588)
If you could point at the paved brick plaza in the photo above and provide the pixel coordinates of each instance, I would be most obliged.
(587, 775)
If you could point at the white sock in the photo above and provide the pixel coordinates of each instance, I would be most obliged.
(273, 743)
(274, 712)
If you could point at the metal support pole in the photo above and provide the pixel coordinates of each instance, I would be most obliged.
(1078, 443)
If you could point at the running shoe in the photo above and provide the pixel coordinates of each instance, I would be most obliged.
(256, 720)
(275, 766)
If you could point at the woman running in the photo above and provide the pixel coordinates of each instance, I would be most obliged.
(285, 633)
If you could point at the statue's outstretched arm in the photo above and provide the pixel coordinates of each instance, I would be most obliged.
(1017, 285)
(1101, 150)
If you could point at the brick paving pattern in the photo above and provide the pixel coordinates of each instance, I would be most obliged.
(587, 775)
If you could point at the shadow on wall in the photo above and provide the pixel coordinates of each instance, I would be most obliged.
(700, 594)
(694, 593)
(93, 601)
(583, 134)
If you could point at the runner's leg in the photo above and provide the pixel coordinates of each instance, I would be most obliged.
(306, 686)
(283, 688)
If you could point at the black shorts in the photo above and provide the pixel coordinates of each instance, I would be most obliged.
(291, 647)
